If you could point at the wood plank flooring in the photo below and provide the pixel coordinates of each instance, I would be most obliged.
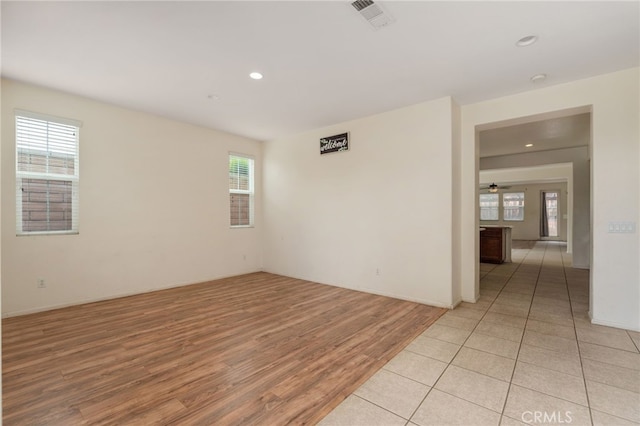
(254, 349)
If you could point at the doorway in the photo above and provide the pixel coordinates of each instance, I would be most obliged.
(549, 212)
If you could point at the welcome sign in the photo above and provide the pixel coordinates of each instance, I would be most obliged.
(334, 143)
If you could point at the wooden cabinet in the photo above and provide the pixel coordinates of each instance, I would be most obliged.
(494, 244)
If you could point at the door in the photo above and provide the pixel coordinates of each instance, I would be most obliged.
(549, 213)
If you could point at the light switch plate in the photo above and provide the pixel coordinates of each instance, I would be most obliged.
(622, 227)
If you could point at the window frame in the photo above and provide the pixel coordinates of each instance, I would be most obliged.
(518, 207)
(496, 208)
(250, 191)
(21, 175)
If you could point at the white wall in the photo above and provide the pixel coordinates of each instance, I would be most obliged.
(529, 228)
(377, 218)
(614, 102)
(153, 207)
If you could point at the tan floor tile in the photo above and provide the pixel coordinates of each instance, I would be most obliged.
(509, 310)
(440, 409)
(494, 345)
(551, 329)
(495, 366)
(489, 294)
(578, 296)
(611, 375)
(560, 319)
(394, 393)
(552, 360)
(615, 401)
(579, 307)
(583, 322)
(521, 285)
(433, 348)
(508, 421)
(519, 289)
(487, 284)
(474, 387)
(478, 306)
(550, 301)
(554, 343)
(551, 293)
(610, 355)
(447, 334)
(523, 404)
(616, 341)
(457, 322)
(543, 309)
(604, 419)
(499, 330)
(416, 367)
(488, 300)
(355, 411)
(515, 302)
(550, 382)
(465, 312)
(510, 320)
(508, 295)
(581, 317)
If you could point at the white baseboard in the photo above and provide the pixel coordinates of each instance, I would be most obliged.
(632, 327)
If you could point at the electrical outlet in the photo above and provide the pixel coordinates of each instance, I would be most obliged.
(41, 283)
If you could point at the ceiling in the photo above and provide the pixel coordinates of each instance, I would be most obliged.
(322, 62)
(542, 135)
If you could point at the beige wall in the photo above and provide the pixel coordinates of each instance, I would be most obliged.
(614, 102)
(377, 218)
(154, 209)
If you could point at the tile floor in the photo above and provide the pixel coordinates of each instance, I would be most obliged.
(525, 353)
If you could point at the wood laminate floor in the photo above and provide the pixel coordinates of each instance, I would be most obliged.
(253, 349)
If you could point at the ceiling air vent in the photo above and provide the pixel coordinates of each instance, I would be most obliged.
(373, 13)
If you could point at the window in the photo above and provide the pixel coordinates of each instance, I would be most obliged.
(241, 190)
(513, 205)
(47, 174)
(489, 206)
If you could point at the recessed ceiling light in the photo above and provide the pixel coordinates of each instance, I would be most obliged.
(529, 145)
(527, 41)
(255, 75)
(538, 78)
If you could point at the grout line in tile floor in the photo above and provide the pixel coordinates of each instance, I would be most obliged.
(575, 331)
(555, 301)
(504, 405)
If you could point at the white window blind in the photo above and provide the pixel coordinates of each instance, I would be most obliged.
(513, 205)
(241, 191)
(489, 206)
(47, 174)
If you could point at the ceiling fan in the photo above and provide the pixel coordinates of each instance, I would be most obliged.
(494, 187)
